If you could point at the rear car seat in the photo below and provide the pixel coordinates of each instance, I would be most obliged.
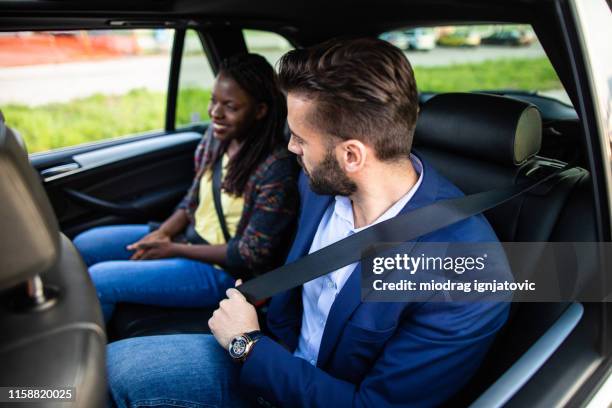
(482, 142)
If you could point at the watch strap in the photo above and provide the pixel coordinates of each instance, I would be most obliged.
(254, 335)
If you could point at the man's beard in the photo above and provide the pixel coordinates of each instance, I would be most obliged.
(328, 178)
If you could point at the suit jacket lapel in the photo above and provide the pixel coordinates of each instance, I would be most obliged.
(308, 224)
(287, 306)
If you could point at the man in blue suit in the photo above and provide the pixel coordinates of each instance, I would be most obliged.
(352, 109)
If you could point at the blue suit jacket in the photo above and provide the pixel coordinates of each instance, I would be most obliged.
(375, 354)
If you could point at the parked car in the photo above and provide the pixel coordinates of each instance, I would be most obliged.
(549, 354)
(464, 38)
(511, 37)
(421, 39)
(397, 38)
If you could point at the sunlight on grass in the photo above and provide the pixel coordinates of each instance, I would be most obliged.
(517, 74)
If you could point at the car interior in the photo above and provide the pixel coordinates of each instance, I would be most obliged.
(51, 325)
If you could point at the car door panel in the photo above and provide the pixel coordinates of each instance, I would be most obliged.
(132, 182)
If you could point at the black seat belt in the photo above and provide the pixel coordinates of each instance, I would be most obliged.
(216, 190)
(400, 229)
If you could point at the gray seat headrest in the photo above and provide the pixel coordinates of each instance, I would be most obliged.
(30, 242)
(15, 134)
(487, 127)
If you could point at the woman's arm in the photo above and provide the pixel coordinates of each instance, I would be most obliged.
(175, 223)
(262, 242)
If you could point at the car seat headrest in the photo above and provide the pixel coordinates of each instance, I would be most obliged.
(15, 134)
(30, 244)
(487, 127)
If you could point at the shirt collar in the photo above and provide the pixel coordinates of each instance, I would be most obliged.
(343, 207)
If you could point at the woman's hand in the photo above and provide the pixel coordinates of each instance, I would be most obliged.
(157, 249)
(156, 236)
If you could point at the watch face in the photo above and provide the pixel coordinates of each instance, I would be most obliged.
(238, 347)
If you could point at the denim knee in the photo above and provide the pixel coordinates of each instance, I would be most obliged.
(85, 244)
(99, 276)
(108, 243)
(176, 370)
(104, 289)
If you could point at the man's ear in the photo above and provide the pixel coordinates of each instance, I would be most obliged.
(353, 155)
(262, 111)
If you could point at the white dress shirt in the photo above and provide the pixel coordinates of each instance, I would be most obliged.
(319, 294)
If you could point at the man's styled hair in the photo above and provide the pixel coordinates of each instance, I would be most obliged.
(364, 89)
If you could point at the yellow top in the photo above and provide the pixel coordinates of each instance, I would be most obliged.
(206, 220)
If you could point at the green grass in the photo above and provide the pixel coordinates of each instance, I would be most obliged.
(99, 117)
(89, 119)
(192, 102)
(519, 74)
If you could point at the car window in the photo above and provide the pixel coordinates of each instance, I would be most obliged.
(196, 75)
(478, 58)
(64, 88)
(271, 45)
(196, 79)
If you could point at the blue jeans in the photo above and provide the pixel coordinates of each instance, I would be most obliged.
(183, 370)
(173, 282)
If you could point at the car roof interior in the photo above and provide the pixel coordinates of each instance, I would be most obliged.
(568, 208)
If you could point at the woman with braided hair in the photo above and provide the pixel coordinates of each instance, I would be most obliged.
(192, 258)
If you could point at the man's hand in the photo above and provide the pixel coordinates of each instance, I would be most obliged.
(155, 236)
(233, 317)
(156, 250)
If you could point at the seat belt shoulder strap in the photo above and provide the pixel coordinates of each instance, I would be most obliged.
(402, 228)
(216, 190)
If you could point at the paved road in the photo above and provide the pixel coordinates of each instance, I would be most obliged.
(40, 84)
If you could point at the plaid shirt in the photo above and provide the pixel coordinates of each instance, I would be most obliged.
(271, 202)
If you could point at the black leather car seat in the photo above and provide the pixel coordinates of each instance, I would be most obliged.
(51, 330)
(482, 142)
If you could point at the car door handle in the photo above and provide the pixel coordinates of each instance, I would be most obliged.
(103, 205)
(54, 171)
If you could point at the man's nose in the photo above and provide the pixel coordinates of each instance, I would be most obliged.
(293, 147)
